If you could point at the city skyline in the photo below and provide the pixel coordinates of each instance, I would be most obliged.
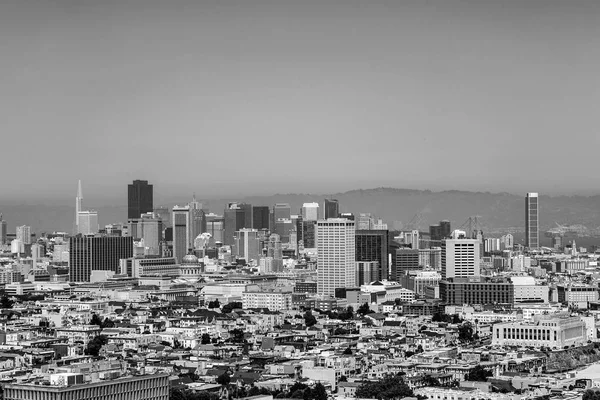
(450, 86)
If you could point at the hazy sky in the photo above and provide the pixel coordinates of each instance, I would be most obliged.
(234, 97)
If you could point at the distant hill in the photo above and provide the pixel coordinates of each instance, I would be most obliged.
(498, 211)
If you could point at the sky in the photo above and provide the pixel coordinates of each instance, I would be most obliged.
(250, 97)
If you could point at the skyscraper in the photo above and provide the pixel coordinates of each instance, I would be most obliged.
(78, 200)
(372, 245)
(460, 256)
(148, 228)
(197, 219)
(310, 211)
(331, 208)
(260, 217)
(234, 220)
(406, 260)
(139, 199)
(336, 255)
(3, 230)
(247, 244)
(87, 222)
(97, 253)
(24, 234)
(181, 232)
(532, 227)
(282, 221)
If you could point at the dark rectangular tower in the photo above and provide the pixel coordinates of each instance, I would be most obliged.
(372, 245)
(139, 199)
(89, 253)
(532, 227)
(331, 208)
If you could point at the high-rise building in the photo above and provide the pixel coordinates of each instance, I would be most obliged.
(372, 245)
(336, 255)
(87, 222)
(365, 221)
(412, 238)
(24, 234)
(366, 272)
(197, 219)
(282, 221)
(148, 228)
(78, 200)
(260, 217)
(460, 256)
(274, 257)
(247, 244)
(3, 230)
(446, 229)
(440, 231)
(532, 227)
(139, 199)
(310, 211)
(234, 220)
(331, 208)
(182, 240)
(407, 260)
(309, 234)
(215, 226)
(97, 253)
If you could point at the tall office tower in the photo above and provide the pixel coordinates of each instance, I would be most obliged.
(431, 257)
(197, 219)
(260, 217)
(406, 260)
(78, 200)
(282, 221)
(445, 228)
(366, 272)
(139, 199)
(87, 222)
(234, 220)
(3, 230)
(372, 245)
(310, 211)
(365, 222)
(215, 226)
(299, 223)
(181, 232)
(331, 208)
(97, 253)
(460, 256)
(309, 234)
(149, 228)
(24, 234)
(532, 227)
(247, 244)
(435, 232)
(412, 238)
(275, 253)
(248, 215)
(336, 255)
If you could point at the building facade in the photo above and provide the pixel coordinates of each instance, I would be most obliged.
(97, 253)
(336, 255)
(463, 291)
(140, 199)
(460, 258)
(532, 227)
(372, 245)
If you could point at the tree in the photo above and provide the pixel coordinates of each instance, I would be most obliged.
(364, 309)
(316, 393)
(94, 345)
(96, 320)
(430, 381)
(348, 351)
(237, 335)
(347, 314)
(309, 319)
(214, 304)
(478, 374)
(107, 323)
(205, 338)
(223, 379)
(465, 332)
(229, 307)
(388, 388)
(6, 302)
(591, 395)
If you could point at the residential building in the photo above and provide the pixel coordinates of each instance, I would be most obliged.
(460, 256)
(277, 299)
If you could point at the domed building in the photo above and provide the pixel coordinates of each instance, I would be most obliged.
(191, 268)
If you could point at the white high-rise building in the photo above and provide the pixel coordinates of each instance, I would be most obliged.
(335, 255)
(148, 227)
(87, 222)
(247, 244)
(310, 211)
(460, 256)
(24, 234)
(412, 238)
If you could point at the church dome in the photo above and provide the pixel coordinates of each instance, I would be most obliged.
(190, 259)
